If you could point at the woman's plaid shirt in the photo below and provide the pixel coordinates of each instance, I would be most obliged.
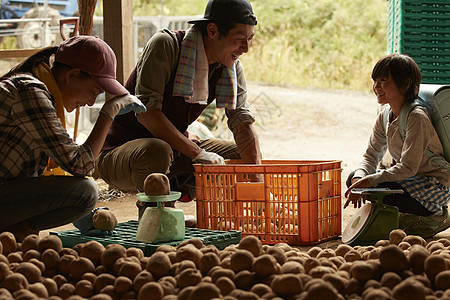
(30, 132)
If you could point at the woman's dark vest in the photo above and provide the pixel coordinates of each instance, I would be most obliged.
(179, 112)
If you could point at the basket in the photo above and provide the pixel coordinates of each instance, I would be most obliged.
(421, 29)
(126, 233)
(298, 203)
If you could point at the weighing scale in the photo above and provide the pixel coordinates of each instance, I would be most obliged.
(374, 220)
(160, 224)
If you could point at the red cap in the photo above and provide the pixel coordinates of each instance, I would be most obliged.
(92, 55)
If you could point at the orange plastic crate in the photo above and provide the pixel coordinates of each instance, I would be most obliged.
(298, 203)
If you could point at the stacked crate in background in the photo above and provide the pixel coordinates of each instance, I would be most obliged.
(421, 29)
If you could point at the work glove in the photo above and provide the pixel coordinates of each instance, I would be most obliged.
(205, 157)
(86, 225)
(121, 105)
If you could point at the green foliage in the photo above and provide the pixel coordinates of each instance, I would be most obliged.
(307, 43)
(318, 43)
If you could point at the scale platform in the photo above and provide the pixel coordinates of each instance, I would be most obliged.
(374, 220)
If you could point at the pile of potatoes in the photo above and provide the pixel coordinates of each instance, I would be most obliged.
(403, 267)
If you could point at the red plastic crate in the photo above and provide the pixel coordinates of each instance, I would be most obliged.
(298, 203)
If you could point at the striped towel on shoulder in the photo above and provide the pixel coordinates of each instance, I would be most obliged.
(191, 78)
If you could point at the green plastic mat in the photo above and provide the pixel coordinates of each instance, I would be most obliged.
(126, 237)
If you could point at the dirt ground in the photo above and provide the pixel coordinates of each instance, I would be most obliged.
(292, 123)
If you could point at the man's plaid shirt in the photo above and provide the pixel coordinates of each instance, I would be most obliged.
(30, 132)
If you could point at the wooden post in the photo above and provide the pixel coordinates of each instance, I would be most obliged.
(118, 33)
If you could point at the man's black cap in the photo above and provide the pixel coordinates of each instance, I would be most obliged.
(234, 11)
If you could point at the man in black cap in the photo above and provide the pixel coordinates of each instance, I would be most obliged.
(177, 76)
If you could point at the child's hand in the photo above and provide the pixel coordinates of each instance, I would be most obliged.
(355, 198)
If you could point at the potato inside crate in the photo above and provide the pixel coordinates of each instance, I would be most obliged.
(294, 207)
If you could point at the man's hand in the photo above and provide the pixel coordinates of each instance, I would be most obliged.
(355, 198)
(204, 157)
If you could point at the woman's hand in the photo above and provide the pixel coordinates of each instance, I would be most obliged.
(355, 198)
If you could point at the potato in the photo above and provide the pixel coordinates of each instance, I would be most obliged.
(415, 239)
(151, 290)
(337, 281)
(168, 283)
(260, 289)
(100, 297)
(310, 263)
(393, 259)
(112, 253)
(15, 257)
(8, 241)
(444, 241)
(70, 251)
(241, 260)
(327, 253)
(38, 289)
(30, 242)
(156, 184)
(31, 253)
(142, 278)
(84, 288)
(130, 270)
(252, 244)
(208, 261)
(287, 285)
(217, 273)
(434, 264)
(243, 295)
(166, 248)
(225, 285)
(244, 279)
(64, 263)
(122, 284)
(352, 256)
(404, 245)
(396, 236)
(314, 251)
(50, 258)
(342, 249)
(59, 279)
(353, 286)
(50, 242)
(102, 281)
(104, 219)
(51, 286)
(442, 280)
(409, 290)
(319, 289)
(185, 293)
(30, 271)
(133, 251)
(92, 250)
(188, 277)
(204, 290)
(362, 271)
(4, 270)
(292, 267)
(189, 252)
(38, 264)
(416, 258)
(265, 265)
(278, 253)
(375, 294)
(182, 265)
(80, 266)
(14, 282)
(159, 264)
(198, 243)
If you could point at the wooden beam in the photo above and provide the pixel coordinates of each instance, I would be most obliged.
(118, 33)
(17, 53)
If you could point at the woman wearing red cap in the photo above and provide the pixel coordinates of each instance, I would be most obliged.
(33, 96)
